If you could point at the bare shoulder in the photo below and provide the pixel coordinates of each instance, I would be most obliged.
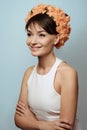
(67, 70)
(28, 72)
(68, 74)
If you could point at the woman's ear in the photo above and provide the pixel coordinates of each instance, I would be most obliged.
(56, 39)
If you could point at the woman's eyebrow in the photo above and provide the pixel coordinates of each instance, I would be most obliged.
(41, 31)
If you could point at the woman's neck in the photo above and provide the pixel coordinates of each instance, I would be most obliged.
(46, 61)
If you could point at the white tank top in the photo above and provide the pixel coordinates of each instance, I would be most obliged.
(43, 99)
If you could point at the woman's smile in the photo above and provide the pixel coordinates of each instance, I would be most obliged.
(35, 47)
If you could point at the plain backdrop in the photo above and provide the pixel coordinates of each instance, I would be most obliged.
(15, 56)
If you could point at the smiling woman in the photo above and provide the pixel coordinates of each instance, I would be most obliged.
(49, 90)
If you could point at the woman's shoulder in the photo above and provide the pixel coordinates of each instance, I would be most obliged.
(67, 71)
(65, 68)
(68, 76)
(28, 71)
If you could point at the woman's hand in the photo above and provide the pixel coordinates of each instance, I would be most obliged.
(55, 125)
(24, 111)
(28, 118)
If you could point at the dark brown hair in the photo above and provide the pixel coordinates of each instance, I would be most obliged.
(46, 22)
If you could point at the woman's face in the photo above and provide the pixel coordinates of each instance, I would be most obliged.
(39, 41)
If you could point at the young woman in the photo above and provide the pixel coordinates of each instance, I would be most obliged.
(49, 90)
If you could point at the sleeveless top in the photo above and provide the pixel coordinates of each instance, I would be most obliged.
(43, 99)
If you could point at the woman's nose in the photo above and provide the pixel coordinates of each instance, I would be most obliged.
(32, 40)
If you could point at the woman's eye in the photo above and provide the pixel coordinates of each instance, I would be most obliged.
(42, 35)
(28, 34)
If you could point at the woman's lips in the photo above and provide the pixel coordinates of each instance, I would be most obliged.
(35, 47)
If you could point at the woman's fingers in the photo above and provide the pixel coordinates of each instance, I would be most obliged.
(63, 125)
(20, 109)
(22, 104)
(19, 113)
(66, 124)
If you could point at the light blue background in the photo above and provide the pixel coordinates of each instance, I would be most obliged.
(15, 56)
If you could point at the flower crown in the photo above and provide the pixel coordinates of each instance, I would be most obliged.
(59, 16)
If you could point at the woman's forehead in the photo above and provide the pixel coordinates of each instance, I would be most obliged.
(35, 26)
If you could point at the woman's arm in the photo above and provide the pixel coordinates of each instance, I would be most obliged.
(27, 120)
(23, 111)
(69, 94)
